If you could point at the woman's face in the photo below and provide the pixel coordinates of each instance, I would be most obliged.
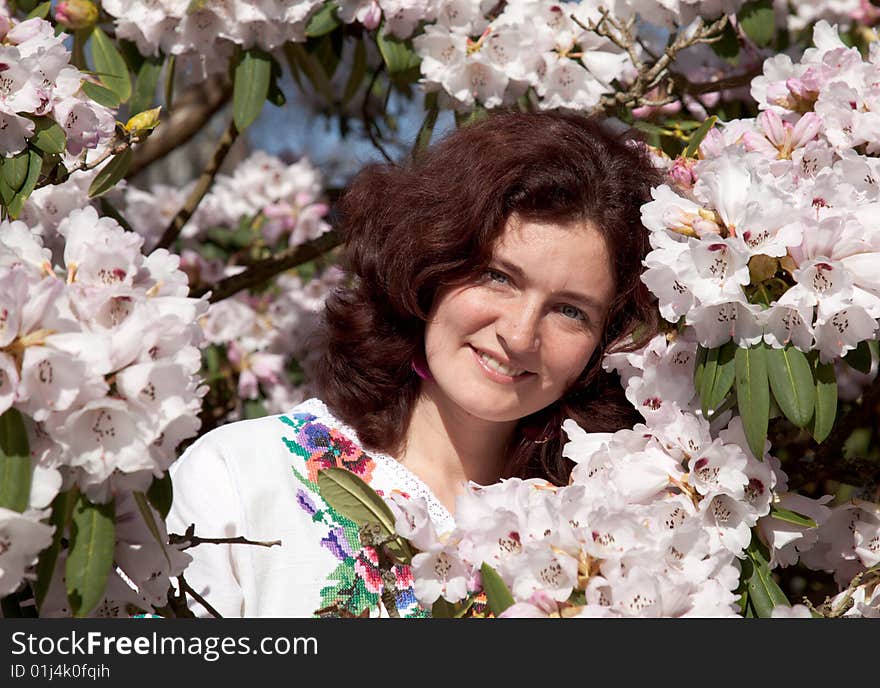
(512, 341)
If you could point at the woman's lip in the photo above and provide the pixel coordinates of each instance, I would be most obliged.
(494, 374)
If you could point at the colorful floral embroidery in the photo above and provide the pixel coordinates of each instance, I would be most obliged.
(355, 585)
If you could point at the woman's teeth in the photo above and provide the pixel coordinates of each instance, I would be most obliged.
(499, 367)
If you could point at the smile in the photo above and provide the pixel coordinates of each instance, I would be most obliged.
(496, 370)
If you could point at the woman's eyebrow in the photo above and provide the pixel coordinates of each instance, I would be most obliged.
(584, 299)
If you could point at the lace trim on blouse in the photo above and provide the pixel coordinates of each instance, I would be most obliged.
(403, 477)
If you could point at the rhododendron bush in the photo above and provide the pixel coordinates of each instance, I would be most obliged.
(135, 315)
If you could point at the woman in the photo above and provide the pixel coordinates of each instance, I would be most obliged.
(489, 278)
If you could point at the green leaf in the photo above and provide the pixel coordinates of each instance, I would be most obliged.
(825, 400)
(728, 46)
(41, 11)
(697, 137)
(62, 509)
(150, 520)
(497, 594)
(161, 494)
(254, 408)
(35, 165)
(860, 357)
(15, 171)
(700, 366)
(423, 138)
(717, 377)
(398, 55)
(441, 609)
(15, 462)
(145, 85)
(756, 18)
(111, 174)
(48, 135)
(358, 72)
(110, 65)
(791, 517)
(651, 128)
(301, 61)
(108, 209)
(764, 593)
(92, 538)
(252, 73)
(100, 94)
(276, 95)
(753, 395)
(354, 499)
(791, 380)
(323, 21)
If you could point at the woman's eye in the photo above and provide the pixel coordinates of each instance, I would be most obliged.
(495, 276)
(572, 312)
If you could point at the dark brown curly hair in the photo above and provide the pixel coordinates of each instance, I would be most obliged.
(411, 228)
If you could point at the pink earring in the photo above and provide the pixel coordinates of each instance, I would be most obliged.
(420, 367)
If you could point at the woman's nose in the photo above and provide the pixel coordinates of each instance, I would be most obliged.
(518, 328)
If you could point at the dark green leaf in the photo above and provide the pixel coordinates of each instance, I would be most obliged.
(15, 462)
(145, 85)
(100, 94)
(764, 592)
(301, 61)
(700, 366)
(717, 377)
(48, 135)
(108, 209)
(753, 395)
(826, 399)
(62, 509)
(110, 66)
(92, 539)
(35, 165)
(728, 46)
(358, 71)
(441, 609)
(254, 408)
(757, 20)
(15, 171)
(497, 594)
(791, 517)
(423, 138)
(41, 11)
(860, 357)
(327, 51)
(323, 21)
(791, 380)
(398, 55)
(253, 71)
(26, 5)
(354, 499)
(161, 494)
(150, 521)
(111, 174)
(697, 137)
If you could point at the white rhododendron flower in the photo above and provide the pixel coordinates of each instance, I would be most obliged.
(38, 80)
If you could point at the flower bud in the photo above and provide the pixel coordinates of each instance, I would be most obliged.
(143, 122)
(76, 14)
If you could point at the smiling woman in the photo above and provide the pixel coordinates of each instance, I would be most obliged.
(488, 277)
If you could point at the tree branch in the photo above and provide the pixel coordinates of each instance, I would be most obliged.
(264, 270)
(185, 588)
(368, 120)
(206, 179)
